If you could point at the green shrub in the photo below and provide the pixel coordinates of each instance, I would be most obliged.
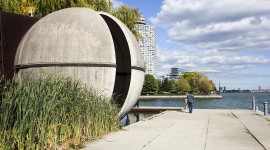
(53, 112)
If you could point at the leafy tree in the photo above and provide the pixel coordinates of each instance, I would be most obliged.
(129, 16)
(150, 84)
(199, 82)
(192, 78)
(183, 85)
(165, 87)
(42, 8)
(159, 85)
(204, 85)
(213, 86)
(172, 85)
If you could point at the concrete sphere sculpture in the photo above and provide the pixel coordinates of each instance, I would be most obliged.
(93, 47)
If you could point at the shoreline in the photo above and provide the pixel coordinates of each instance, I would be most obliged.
(148, 97)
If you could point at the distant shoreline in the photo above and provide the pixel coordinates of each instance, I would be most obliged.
(145, 97)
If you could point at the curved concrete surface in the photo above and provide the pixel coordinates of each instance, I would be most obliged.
(73, 42)
(134, 69)
(95, 48)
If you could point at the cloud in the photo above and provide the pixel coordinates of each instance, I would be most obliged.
(223, 25)
(207, 61)
(224, 39)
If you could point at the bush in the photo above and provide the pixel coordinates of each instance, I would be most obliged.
(53, 112)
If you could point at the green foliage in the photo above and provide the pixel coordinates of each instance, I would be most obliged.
(51, 112)
(42, 8)
(165, 86)
(213, 86)
(150, 84)
(129, 16)
(172, 85)
(192, 78)
(183, 85)
(199, 82)
(11, 6)
(204, 85)
(159, 85)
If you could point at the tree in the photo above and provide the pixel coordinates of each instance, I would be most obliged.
(199, 82)
(213, 86)
(129, 16)
(172, 86)
(183, 85)
(165, 86)
(159, 85)
(11, 6)
(42, 8)
(150, 84)
(204, 85)
(192, 78)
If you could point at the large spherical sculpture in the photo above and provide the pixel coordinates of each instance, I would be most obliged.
(95, 48)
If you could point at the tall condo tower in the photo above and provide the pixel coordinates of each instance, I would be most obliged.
(148, 46)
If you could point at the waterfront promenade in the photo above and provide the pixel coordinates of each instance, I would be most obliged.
(145, 97)
(204, 129)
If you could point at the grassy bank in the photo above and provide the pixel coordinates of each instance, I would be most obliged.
(52, 113)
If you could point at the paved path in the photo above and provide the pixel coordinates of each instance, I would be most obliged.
(201, 130)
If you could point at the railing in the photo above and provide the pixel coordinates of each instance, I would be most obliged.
(255, 108)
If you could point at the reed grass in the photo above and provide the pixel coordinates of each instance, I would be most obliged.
(53, 113)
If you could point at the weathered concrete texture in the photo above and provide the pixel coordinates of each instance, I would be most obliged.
(136, 62)
(87, 76)
(134, 90)
(256, 125)
(134, 49)
(201, 130)
(73, 35)
(95, 48)
(68, 35)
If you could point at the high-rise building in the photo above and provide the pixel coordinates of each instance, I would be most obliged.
(148, 45)
(174, 73)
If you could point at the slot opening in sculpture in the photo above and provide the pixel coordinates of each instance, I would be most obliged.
(123, 61)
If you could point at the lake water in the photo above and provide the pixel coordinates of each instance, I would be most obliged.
(228, 101)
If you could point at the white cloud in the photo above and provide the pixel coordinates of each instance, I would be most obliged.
(208, 61)
(224, 25)
(223, 38)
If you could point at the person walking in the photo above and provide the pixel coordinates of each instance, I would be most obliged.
(190, 100)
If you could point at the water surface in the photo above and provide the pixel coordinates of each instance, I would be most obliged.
(228, 101)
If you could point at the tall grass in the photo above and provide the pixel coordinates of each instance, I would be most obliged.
(53, 113)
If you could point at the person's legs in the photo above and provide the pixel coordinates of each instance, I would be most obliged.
(190, 107)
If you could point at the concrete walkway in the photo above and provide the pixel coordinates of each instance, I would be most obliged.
(202, 130)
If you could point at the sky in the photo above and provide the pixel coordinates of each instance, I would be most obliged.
(228, 40)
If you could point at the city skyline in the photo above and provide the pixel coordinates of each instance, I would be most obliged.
(226, 40)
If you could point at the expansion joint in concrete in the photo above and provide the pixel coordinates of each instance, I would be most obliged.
(249, 131)
(207, 132)
(159, 134)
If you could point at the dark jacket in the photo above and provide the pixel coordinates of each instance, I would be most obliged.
(190, 98)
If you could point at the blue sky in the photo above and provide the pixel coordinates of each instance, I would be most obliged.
(228, 40)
